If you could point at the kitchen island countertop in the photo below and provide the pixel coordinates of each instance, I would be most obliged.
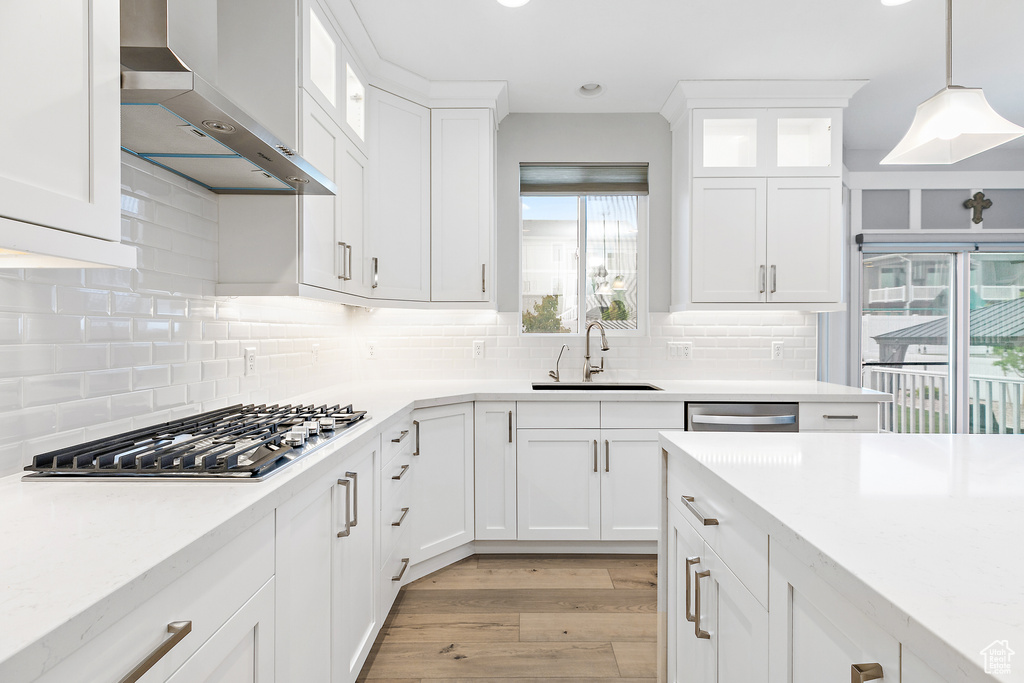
(924, 532)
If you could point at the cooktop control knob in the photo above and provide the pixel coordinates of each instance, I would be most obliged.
(296, 437)
(312, 427)
(327, 424)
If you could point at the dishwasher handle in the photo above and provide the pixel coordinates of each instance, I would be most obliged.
(743, 419)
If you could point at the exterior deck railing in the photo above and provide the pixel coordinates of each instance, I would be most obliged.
(921, 401)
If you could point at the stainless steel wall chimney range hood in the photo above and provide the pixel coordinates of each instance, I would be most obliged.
(175, 119)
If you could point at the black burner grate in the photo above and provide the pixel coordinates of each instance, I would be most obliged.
(238, 442)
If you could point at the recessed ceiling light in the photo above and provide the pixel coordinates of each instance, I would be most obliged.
(591, 89)
(513, 3)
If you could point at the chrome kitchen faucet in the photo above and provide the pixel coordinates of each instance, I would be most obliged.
(588, 369)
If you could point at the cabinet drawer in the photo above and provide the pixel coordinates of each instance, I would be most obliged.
(642, 415)
(396, 565)
(401, 466)
(207, 595)
(838, 417)
(558, 414)
(395, 509)
(397, 438)
(741, 544)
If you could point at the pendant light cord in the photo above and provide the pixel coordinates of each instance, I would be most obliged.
(949, 43)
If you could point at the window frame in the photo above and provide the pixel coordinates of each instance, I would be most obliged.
(642, 267)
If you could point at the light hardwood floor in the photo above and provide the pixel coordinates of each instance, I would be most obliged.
(523, 619)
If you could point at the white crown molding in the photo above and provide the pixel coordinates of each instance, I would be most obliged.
(763, 93)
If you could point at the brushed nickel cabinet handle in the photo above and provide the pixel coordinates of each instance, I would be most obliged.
(606, 456)
(178, 630)
(348, 267)
(345, 271)
(355, 497)
(397, 477)
(841, 417)
(859, 673)
(405, 565)
(510, 426)
(775, 281)
(348, 516)
(483, 278)
(595, 455)
(375, 271)
(761, 279)
(401, 519)
(405, 433)
(706, 521)
(690, 561)
(416, 426)
(698, 631)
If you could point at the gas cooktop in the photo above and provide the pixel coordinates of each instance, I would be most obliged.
(238, 443)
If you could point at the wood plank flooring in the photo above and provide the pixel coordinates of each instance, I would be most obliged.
(523, 619)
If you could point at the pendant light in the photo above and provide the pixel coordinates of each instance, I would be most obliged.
(513, 3)
(953, 124)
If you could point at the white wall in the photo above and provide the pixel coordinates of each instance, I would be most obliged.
(584, 138)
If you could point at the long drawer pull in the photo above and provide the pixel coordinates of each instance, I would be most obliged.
(841, 417)
(698, 631)
(405, 468)
(401, 519)
(348, 514)
(416, 426)
(178, 630)
(510, 426)
(595, 455)
(706, 521)
(405, 433)
(861, 673)
(355, 497)
(405, 565)
(607, 457)
(690, 561)
(743, 419)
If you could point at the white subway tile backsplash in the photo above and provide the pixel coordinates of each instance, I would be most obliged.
(130, 355)
(49, 329)
(47, 389)
(10, 328)
(107, 382)
(89, 412)
(25, 360)
(150, 377)
(29, 297)
(10, 394)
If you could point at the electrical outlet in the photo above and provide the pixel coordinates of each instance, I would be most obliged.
(250, 361)
(777, 347)
(371, 350)
(478, 349)
(316, 354)
(686, 350)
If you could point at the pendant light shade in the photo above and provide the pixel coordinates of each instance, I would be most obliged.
(513, 3)
(954, 124)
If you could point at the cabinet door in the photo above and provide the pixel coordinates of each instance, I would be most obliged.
(559, 484)
(729, 143)
(495, 457)
(728, 240)
(804, 240)
(462, 204)
(736, 650)
(323, 145)
(352, 194)
(241, 651)
(305, 535)
(398, 260)
(444, 480)
(630, 485)
(804, 142)
(62, 166)
(354, 593)
(821, 633)
(681, 639)
(322, 65)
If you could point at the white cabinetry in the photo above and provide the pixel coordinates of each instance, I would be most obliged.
(559, 484)
(495, 471)
(776, 240)
(443, 497)
(462, 204)
(61, 167)
(399, 198)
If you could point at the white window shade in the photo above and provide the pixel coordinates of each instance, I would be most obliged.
(583, 179)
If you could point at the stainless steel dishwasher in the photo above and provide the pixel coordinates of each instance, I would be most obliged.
(742, 417)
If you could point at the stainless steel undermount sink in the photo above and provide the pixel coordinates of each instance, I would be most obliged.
(595, 386)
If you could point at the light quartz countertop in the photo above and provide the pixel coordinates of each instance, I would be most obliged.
(924, 532)
(76, 556)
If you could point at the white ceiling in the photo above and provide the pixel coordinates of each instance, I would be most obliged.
(638, 49)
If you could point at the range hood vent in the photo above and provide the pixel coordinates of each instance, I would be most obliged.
(173, 118)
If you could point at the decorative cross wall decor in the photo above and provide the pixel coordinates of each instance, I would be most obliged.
(977, 204)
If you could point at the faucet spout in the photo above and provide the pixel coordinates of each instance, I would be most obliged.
(588, 369)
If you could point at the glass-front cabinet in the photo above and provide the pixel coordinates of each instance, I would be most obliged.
(767, 142)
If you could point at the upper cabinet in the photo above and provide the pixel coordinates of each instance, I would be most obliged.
(60, 194)
(767, 142)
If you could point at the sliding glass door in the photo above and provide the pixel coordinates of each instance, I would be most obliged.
(943, 332)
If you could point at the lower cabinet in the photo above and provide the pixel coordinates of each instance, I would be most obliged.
(494, 453)
(327, 613)
(588, 484)
(821, 636)
(443, 495)
(717, 631)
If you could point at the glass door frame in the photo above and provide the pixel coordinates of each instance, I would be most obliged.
(959, 309)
